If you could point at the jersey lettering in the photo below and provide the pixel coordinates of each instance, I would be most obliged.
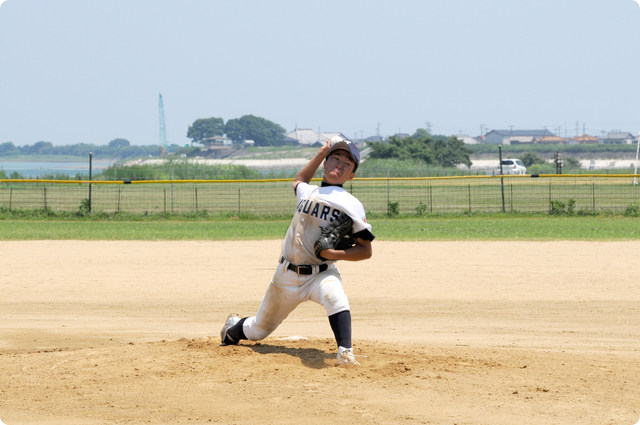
(307, 206)
(323, 212)
(316, 208)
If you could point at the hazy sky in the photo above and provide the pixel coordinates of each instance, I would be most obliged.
(80, 71)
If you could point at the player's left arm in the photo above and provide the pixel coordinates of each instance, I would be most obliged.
(362, 250)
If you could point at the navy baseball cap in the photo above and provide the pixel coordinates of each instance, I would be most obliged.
(339, 143)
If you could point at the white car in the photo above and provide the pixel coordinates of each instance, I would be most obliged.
(512, 166)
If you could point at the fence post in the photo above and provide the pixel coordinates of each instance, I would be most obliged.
(593, 195)
(430, 199)
(388, 195)
(119, 189)
(90, 176)
(45, 196)
(511, 196)
(195, 189)
(469, 190)
(501, 178)
(10, 197)
(172, 189)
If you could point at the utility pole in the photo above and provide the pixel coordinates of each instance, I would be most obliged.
(163, 130)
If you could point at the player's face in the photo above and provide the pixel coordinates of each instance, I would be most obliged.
(338, 168)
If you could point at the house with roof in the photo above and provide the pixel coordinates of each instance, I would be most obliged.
(466, 139)
(585, 138)
(508, 137)
(303, 136)
(309, 137)
(618, 138)
(552, 140)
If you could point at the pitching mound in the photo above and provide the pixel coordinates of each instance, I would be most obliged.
(447, 333)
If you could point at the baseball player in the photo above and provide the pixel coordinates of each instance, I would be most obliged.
(307, 271)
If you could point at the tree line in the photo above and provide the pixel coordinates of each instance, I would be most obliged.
(423, 147)
(117, 148)
(248, 127)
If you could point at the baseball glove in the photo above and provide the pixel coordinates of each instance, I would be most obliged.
(335, 235)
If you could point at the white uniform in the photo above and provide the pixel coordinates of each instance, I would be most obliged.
(317, 206)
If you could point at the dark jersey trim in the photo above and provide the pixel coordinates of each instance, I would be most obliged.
(364, 234)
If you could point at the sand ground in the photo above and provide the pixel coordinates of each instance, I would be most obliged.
(453, 333)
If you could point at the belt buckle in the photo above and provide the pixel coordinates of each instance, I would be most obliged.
(304, 268)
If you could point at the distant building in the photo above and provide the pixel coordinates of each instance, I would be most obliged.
(309, 137)
(304, 136)
(401, 136)
(211, 142)
(618, 138)
(374, 139)
(552, 140)
(508, 137)
(585, 138)
(467, 140)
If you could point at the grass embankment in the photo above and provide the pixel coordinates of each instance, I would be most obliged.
(487, 227)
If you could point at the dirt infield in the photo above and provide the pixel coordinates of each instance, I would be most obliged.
(453, 333)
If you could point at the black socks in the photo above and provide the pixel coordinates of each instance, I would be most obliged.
(341, 327)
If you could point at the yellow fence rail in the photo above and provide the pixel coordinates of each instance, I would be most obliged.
(404, 195)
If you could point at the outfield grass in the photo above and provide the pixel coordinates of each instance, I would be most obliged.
(488, 227)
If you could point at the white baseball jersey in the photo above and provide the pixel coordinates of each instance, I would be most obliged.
(318, 206)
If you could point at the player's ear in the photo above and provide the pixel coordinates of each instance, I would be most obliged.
(351, 175)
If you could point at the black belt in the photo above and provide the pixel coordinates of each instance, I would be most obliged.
(305, 269)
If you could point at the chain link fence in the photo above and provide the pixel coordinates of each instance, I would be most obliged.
(427, 195)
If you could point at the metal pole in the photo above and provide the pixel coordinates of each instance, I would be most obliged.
(635, 170)
(172, 189)
(501, 178)
(90, 176)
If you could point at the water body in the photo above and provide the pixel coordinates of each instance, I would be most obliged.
(29, 169)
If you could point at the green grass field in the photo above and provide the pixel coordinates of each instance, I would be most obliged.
(486, 227)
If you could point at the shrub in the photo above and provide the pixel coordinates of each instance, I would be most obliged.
(632, 210)
(393, 209)
(561, 208)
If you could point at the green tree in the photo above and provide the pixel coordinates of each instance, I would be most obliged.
(571, 162)
(40, 148)
(8, 149)
(530, 158)
(450, 152)
(119, 143)
(422, 146)
(404, 149)
(249, 127)
(204, 128)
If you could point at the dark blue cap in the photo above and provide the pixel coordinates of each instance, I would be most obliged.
(350, 147)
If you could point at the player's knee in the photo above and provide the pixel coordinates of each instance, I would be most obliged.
(255, 332)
